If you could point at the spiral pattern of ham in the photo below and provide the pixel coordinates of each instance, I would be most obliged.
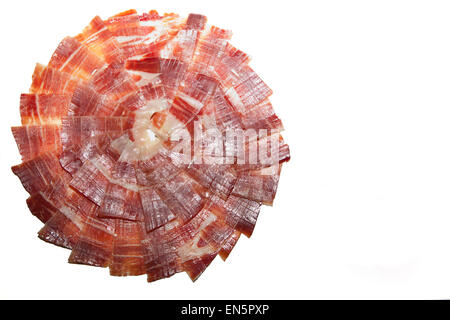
(102, 157)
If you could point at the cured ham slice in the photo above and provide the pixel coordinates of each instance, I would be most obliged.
(156, 212)
(95, 243)
(64, 228)
(74, 58)
(91, 181)
(258, 185)
(261, 116)
(149, 145)
(143, 34)
(39, 173)
(78, 131)
(34, 140)
(128, 250)
(101, 41)
(43, 108)
(50, 80)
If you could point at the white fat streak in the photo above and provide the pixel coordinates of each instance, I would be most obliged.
(52, 121)
(93, 36)
(39, 65)
(30, 146)
(127, 255)
(70, 58)
(165, 53)
(75, 72)
(66, 211)
(152, 23)
(164, 23)
(38, 106)
(123, 39)
(191, 250)
(142, 150)
(67, 82)
(183, 36)
(156, 105)
(234, 98)
(193, 102)
(171, 123)
(162, 27)
(155, 34)
(98, 225)
(126, 185)
(130, 153)
(142, 122)
(49, 121)
(141, 38)
(120, 143)
(149, 149)
(146, 77)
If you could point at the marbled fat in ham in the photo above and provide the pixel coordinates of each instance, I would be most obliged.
(100, 163)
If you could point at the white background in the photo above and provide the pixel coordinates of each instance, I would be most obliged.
(363, 207)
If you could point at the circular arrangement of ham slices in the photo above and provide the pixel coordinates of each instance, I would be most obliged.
(148, 145)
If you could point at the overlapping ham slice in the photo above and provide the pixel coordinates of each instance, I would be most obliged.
(100, 162)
